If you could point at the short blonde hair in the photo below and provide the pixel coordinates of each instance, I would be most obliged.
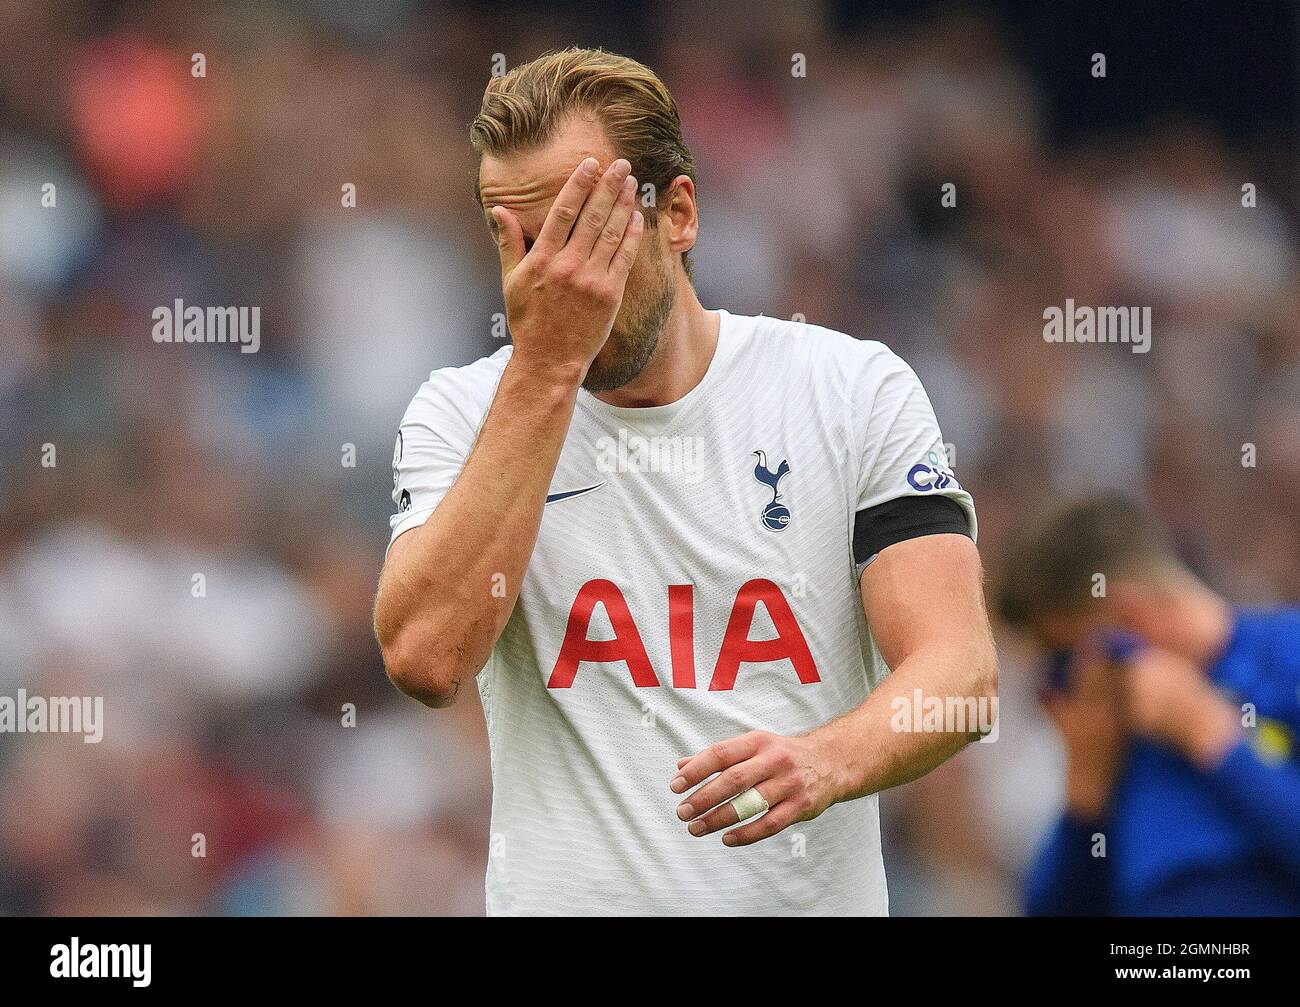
(522, 109)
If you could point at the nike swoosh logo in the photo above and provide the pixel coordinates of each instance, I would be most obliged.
(572, 493)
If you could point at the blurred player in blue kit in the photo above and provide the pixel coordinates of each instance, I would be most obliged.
(1179, 713)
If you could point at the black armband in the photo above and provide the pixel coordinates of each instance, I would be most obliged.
(897, 520)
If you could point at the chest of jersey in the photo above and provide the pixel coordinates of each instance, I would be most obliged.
(691, 557)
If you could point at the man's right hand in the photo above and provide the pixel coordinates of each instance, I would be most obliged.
(563, 294)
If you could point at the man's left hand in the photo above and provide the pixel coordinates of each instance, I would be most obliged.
(1171, 700)
(793, 774)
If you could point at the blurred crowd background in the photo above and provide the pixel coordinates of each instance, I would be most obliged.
(820, 195)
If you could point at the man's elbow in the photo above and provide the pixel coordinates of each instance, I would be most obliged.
(431, 680)
(983, 687)
(984, 675)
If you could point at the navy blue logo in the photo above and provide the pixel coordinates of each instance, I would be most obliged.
(569, 494)
(923, 478)
(776, 515)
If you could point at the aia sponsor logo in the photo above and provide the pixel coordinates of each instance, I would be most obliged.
(628, 646)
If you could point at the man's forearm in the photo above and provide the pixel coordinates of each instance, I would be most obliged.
(446, 595)
(924, 603)
(891, 739)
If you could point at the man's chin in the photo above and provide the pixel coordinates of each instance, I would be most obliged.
(601, 380)
(608, 375)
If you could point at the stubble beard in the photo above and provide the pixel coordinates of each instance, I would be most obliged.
(633, 340)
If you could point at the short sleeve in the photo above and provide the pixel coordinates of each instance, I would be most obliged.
(433, 443)
(424, 467)
(902, 449)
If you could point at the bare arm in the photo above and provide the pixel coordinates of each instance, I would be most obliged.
(924, 600)
(437, 615)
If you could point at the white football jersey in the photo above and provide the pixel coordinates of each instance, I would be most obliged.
(693, 580)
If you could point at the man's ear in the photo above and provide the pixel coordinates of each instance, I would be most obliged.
(680, 215)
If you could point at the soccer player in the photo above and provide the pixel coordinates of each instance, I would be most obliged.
(1173, 807)
(681, 549)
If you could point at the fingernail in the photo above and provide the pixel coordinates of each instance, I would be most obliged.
(696, 828)
(685, 812)
(728, 840)
(678, 785)
(589, 166)
(622, 166)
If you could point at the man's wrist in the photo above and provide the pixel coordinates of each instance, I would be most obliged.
(545, 376)
(839, 772)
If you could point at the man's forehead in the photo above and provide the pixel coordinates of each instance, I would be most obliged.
(531, 178)
(509, 184)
